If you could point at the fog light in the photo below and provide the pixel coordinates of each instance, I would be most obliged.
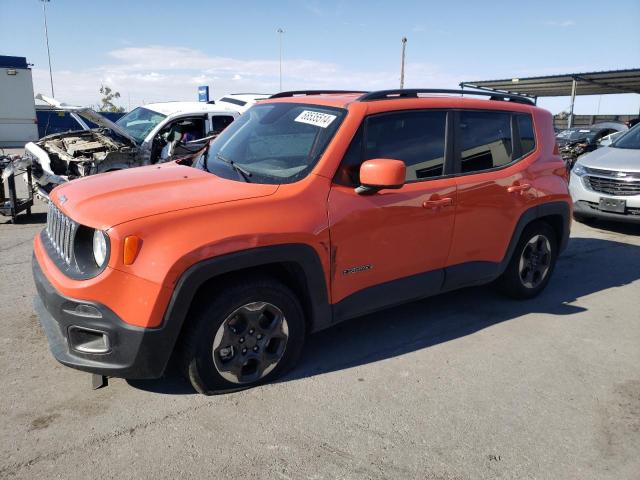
(87, 340)
(83, 310)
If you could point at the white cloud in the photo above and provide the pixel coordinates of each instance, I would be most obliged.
(161, 73)
(561, 23)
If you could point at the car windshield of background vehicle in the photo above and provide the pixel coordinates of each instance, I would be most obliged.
(140, 121)
(274, 143)
(575, 133)
(631, 139)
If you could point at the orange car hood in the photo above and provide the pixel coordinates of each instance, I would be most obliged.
(108, 199)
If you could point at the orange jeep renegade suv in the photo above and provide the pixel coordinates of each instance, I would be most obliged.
(311, 208)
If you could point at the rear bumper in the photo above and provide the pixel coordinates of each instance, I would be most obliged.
(122, 350)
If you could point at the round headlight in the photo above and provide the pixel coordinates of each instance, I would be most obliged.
(99, 247)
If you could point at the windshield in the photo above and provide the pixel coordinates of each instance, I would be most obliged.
(631, 139)
(139, 122)
(273, 143)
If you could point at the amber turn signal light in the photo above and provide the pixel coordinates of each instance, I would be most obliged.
(131, 248)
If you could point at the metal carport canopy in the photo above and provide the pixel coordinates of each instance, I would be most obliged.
(592, 83)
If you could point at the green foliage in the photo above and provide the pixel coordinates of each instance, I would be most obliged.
(106, 102)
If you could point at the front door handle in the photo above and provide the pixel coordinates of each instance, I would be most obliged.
(441, 202)
(519, 188)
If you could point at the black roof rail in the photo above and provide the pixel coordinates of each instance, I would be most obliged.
(296, 93)
(414, 92)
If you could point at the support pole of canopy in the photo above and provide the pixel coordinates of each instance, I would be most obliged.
(573, 101)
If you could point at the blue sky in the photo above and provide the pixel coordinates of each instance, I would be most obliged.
(162, 50)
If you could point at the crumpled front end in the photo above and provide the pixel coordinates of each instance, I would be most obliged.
(59, 158)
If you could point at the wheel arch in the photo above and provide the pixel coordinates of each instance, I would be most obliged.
(556, 214)
(298, 266)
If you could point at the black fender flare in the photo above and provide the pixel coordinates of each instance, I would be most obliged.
(302, 255)
(560, 208)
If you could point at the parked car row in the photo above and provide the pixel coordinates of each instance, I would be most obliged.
(577, 141)
(605, 183)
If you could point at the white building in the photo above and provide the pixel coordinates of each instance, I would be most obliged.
(18, 122)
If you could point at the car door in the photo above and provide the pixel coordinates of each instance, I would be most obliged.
(391, 246)
(493, 190)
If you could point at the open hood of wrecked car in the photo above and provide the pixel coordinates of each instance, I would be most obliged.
(90, 115)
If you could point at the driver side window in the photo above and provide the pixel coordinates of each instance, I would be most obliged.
(417, 137)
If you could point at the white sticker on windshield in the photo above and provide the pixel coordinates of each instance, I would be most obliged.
(318, 119)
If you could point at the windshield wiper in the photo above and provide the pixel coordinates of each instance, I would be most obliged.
(243, 172)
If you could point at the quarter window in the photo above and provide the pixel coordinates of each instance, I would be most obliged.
(527, 137)
(485, 140)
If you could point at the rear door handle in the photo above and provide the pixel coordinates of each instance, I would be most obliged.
(519, 188)
(441, 202)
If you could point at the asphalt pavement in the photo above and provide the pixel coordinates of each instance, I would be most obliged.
(468, 385)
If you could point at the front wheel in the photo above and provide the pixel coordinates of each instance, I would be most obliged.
(250, 333)
(532, 263)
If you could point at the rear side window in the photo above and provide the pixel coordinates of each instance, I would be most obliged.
(485, 140)
(527, 136)
(415, 137)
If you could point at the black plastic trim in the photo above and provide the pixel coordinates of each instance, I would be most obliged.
(414, 92)
(295, 93)
(302, 255)
(134, 352)
(385, 295)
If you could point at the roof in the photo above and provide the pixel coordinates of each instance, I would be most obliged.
(171, 108)
(591, 83)
(13, 62)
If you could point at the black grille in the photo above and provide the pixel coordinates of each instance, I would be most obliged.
(61, 231)
(613, 186)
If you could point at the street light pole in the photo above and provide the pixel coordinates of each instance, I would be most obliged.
(280, 31)
(46, 36)
(404, 46)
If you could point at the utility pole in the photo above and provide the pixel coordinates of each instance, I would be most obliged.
(280, 31)
(46, 36)
(404, 47)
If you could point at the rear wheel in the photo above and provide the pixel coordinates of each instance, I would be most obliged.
(250, 333)
(532, 263)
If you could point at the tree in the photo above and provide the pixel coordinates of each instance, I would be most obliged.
(106, 102)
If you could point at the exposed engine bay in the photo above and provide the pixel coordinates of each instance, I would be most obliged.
(78, 154)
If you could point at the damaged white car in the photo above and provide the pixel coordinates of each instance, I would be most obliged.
(149, 134)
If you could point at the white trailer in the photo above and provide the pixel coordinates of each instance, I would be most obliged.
(18, 122)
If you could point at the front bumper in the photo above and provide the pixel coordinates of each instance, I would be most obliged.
(586, 202)
(125, 351)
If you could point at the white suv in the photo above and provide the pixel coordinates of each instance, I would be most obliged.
(148, 134)
(605, 183)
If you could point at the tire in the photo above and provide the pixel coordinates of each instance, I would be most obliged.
(250, 333)
(525, 277)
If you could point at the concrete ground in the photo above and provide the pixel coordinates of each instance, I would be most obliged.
(468, 385)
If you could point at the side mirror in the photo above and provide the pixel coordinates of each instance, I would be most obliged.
(381, 173)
